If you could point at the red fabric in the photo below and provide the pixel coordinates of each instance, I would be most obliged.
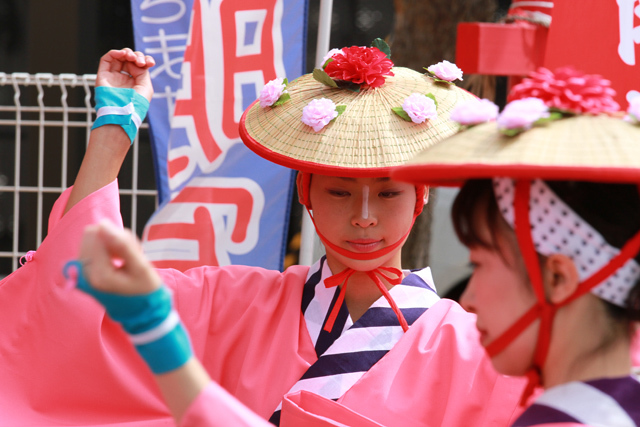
(445, 175)
(342, 279)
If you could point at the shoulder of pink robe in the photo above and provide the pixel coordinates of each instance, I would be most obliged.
(62, 361)
(436, 375)
(246, 328)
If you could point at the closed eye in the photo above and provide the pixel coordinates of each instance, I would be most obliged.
(389, 194)
(339, 193)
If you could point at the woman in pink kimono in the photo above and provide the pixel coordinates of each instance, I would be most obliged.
(551, 215)
(352, 336)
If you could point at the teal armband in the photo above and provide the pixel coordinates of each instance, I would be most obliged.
(152, 324)
(120, 106)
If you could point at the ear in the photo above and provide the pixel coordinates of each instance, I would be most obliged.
(303, 184)
(560, 277)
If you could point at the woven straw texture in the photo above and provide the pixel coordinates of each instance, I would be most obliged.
(581, 147)
(367, 135)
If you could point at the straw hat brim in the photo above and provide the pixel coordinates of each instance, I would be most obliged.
(581, 148)
(366, 140)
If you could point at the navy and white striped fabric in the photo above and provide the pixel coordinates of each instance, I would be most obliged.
(608, 402)
(351, 349)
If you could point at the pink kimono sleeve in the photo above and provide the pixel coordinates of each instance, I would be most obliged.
(63, 361)
(437, 375)
(214, 406)
(246, 328)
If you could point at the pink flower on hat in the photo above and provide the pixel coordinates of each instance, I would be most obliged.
(419, 107)
(634, 110)
(474, 111)
(446, 70)
(522, 114)
(330, 55)
(318, 113)
(271, 92)
(567, 89)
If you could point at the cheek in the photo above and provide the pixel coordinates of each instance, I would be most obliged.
(518, 357)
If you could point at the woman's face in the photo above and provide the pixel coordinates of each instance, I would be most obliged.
(362, 215)
(499, 293)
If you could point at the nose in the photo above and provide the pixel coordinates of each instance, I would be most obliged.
(467, 299)
(364, 216)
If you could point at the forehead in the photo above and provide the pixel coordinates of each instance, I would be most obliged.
(352, 181)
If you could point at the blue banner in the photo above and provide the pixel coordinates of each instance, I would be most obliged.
(220, 203)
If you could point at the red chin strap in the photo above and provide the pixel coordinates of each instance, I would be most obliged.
(394, 275)
(543, 309)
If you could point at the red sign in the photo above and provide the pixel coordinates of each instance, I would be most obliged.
(598, 38)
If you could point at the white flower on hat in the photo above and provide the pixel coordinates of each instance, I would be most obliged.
(474, 112)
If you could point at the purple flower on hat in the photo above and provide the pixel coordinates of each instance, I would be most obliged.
(446, 71)
(318, 113)
(634, 110)
(522, 114)
(271, 92)
(474, 111)
(419, 107)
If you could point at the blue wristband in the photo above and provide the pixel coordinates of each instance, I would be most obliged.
(120, 106)
(150, 321)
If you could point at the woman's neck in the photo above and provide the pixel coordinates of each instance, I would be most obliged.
(585, 346)
(361, 290)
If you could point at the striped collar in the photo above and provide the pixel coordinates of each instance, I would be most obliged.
(351, 349)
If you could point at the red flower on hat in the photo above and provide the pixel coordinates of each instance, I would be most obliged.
(569, 90)
(360, 65)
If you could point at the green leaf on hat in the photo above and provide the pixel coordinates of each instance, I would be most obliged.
(323, 78)
(436, 79)
(433, 97)
(400, 112)
(553, 115)
(382, 46)
(345, 84)
(327, 63)
(512, 132)
(340, 109)
(283, 98)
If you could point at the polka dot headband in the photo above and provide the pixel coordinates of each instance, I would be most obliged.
(557, 229)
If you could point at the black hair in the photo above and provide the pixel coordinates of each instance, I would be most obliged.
(611, 209)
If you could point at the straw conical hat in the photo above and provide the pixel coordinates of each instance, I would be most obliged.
(583, 147)
(366, 140)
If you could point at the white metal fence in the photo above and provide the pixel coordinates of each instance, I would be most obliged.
(45, 121)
